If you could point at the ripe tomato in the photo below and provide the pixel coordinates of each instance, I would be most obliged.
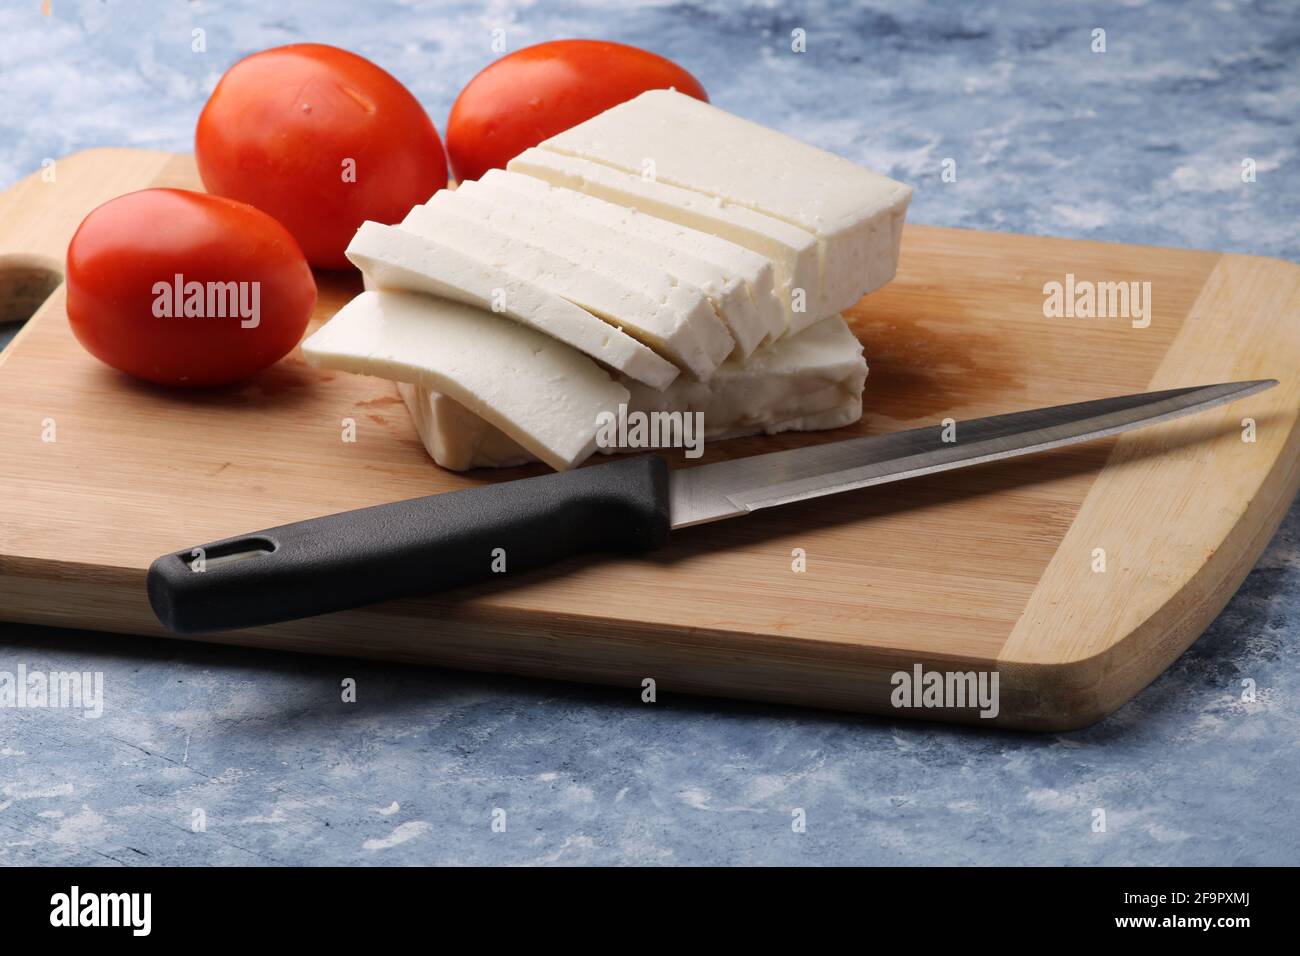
(182, 288)
(321, 139)
(539, 91)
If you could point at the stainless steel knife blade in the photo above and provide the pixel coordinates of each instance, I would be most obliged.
(727, 489)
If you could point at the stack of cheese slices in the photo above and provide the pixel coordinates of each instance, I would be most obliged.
(662, 256)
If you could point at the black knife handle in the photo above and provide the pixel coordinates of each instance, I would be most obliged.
(411, 547)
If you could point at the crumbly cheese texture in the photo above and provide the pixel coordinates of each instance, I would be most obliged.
(540, 394)
(560, 255)
(393, 258)
(856, 215)
(806, 382)
(726, 273)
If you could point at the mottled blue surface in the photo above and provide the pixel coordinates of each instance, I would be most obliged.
(1141, 144)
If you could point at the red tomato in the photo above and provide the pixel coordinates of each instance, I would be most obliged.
(182, 288)
(534, 93)
(321, 139)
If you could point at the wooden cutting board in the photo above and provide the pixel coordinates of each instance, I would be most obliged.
(987, 569)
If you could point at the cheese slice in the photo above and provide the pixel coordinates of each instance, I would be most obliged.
(821, 367)
(792, 251)
(391, 258)
(674, 319)
(541, 394)
(460, 441)
(455, 437)
(674, 250)
(806, 382)
(856, 215)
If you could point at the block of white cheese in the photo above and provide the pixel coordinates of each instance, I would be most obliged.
(392, 258)
(675, 251)
(672, 318)
(856, 215)
(792, 251)
(806, 382)
(543, 395)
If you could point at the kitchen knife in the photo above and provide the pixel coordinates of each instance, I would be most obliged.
(442, 541)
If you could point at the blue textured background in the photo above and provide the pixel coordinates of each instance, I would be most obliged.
(1140, 144)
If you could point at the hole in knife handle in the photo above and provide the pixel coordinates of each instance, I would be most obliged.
(228, 552)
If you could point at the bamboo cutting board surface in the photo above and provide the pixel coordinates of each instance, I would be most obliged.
(987, 569)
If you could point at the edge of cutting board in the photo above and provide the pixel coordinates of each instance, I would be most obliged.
(1114, 647)
(1054, 674)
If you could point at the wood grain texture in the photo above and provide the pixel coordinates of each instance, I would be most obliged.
(989, 568)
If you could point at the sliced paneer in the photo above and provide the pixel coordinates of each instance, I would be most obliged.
(558, 253)
(807, 382)
(667, 332)
(792, 251)
(670, 247)
(542, 394)
(458, 440)
(856, 215)
(455, 437)
(818, 369)
(392, 258)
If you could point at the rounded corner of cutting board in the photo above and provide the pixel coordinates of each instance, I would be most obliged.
(1178, 516)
